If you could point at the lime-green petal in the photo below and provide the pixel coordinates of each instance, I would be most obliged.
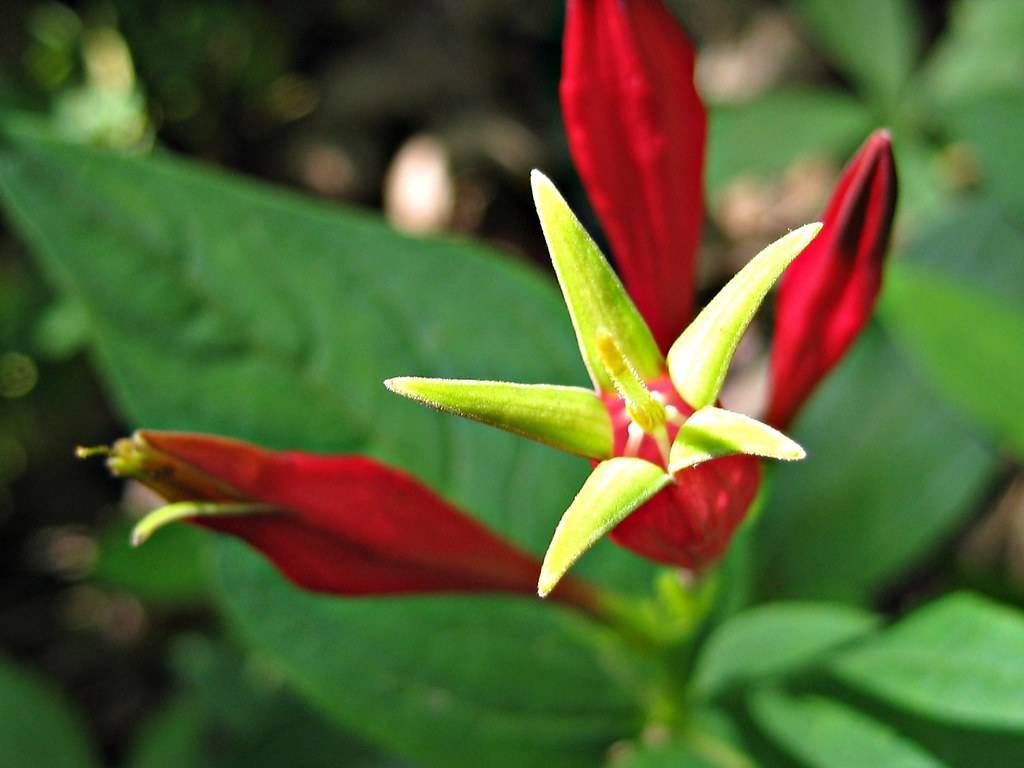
(614, 489)
(189, 510)
(712, 432)
(593, 293)
(700, 357)
(570, 418)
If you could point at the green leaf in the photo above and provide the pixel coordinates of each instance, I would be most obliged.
(700, 357)
(218, 305)
(712, 432)
(977, 244)
(923, 182)
(233, 711)
(891, 471)
(173, 569)
(823, 733)
(568, 418)
(36, 725)
(614, 489)
(988, 125)
(979, 53)
(955, 745)
(765, 136)
(960, 659)
(876, 42)
(592, 291)
(969, 344)
(209, 328)
(775, 641)
(456, 681)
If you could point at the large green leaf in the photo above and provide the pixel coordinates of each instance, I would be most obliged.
(875, 42)
(823, 733)
(218, 305)
(890, 471)
(459, 681)
(765, 135)
(960, 660)
(231, 711)
(774, 640)
(955, 745)
(221, 305)
(969, 343)
(36, 726)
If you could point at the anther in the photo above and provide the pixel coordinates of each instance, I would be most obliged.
(642, 407)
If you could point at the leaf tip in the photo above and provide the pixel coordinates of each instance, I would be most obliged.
(559, 558)
(396, 384)
(548, 580)
(793, 452)
(543, 189)
(139, 535)
(406, 386)
(807, 231)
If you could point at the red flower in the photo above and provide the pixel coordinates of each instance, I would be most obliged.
(341, 524)
(828, 293)
(668, 482)
(636, 130)
(674, 474)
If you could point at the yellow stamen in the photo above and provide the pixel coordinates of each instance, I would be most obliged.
(642, 407)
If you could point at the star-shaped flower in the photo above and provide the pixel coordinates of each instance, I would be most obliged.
(649, 419)
(674, 474)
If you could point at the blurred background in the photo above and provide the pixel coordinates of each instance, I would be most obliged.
(433, 113)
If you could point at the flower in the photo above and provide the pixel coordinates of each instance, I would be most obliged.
(828, 293)
(335, 524)
(674, 474)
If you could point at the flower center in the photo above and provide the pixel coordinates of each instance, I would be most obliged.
(629, 438)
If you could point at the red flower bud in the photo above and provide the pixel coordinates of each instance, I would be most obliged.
(828, 292)
(339, 524)
(636, 130)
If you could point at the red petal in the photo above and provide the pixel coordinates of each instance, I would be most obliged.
(690, 524)
(351, 525)
(827, 294)
(636, 130)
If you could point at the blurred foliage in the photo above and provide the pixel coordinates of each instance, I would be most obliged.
(435, 112)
